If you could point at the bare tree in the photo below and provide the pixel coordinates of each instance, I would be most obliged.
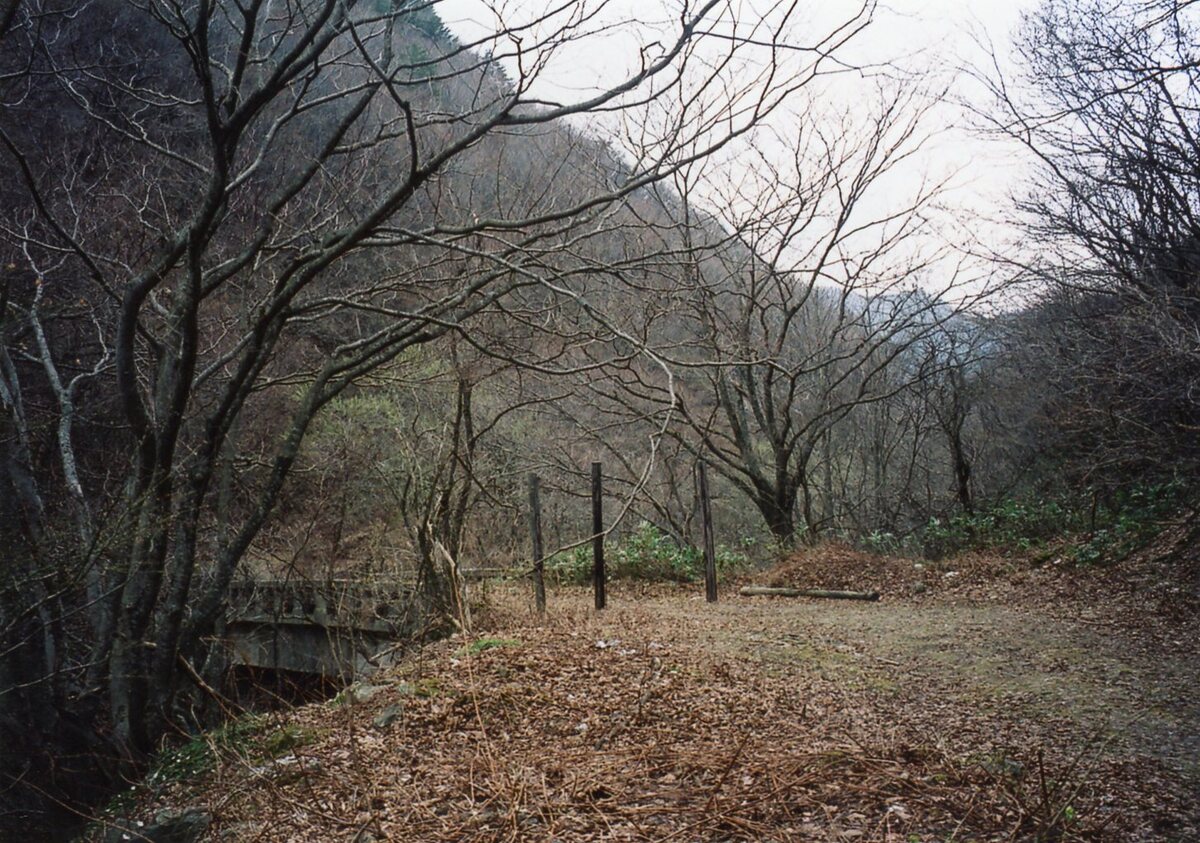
(1107, 103)
(796, 303)
(247, 210)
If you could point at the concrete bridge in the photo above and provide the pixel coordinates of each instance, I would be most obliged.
(329, 627)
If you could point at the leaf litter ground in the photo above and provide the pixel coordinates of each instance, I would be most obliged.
(997, 704)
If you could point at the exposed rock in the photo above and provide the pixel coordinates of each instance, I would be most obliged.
(360, 692)
(389, 657)
(388, 716)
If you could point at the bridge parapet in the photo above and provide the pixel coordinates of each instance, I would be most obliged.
(377, 606)
(312, 626)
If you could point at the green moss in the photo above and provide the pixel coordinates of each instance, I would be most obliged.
(427, 687)
(484, 644)
(287, 738)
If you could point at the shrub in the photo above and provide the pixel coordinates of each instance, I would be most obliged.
(1134, 520)
(882, 542)
(571, 567)
(645, 554)
(1108, 531)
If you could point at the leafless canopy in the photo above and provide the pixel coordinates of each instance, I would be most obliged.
(220, 216)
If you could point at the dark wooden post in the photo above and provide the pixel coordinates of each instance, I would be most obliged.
(535, 532)
(597, 535)
(710, 551)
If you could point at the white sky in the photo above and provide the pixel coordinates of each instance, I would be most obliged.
(940, 31)
(933, 37)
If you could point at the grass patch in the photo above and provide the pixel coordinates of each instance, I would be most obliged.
(283, 740)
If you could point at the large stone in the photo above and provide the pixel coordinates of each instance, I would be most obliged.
(389, 657)
(360, 692)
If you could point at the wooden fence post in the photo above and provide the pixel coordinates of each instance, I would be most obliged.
(598, 536)
(535, 531)
(710, 552)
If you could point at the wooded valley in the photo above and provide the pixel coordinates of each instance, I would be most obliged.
(308, 289)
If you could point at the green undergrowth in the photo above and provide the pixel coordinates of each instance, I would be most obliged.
(254, 738)
(646, 554)
(1137, 522)
(1078, 527)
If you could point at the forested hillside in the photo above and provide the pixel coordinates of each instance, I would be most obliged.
(308, 289)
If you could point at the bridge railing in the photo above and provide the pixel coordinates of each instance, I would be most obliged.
(334, 603)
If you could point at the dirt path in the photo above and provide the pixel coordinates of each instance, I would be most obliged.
(1024, 666)
(1104, 688)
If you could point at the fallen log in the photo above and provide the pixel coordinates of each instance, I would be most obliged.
(766, 591)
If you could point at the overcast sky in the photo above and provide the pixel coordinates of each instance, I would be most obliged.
(934, 37)
(940, 30)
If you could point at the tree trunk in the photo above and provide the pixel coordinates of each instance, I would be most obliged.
(962, 472)
(780, 519)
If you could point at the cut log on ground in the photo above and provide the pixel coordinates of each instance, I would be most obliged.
(766, 591)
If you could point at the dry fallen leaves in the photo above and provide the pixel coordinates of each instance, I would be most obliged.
(647, 723)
